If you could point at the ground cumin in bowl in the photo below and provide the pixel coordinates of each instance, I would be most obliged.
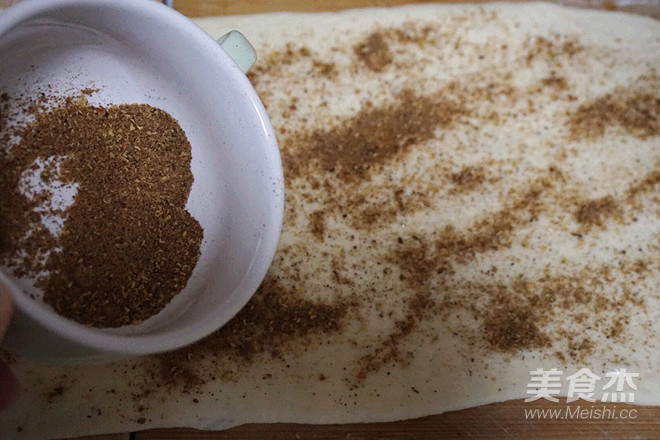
(127, 244)
(141, 185)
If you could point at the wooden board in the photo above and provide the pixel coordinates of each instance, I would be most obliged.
(205, 8)
(496, 421)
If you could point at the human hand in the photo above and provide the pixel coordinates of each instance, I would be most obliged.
(8, 384)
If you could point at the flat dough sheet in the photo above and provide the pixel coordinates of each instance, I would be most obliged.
(472, 194)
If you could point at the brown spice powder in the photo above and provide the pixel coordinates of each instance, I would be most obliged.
(374, 52)
(520, 316)
(468, 179)
(128, 245)
(555, 82)
(647, 184)
(553, 50)
(594, 212)
(372, 137)
(419, 307)
(317, 224)
(635, 112)
(279, 60)
(513, 324)
(275, 317)
(341, 160)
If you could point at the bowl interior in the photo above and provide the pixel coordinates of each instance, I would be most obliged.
(140, 52)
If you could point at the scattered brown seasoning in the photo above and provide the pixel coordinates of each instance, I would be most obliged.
(277, 314)
(359, 145)
(636, 112)
(516, 317)
(275, 317)
(277, 61)
(468, 179)
(553, 50)
(317, 224)
(513, 323)
(424, 260)
(128, 245)
(421, 259)
(555, 82)
(58, 386)
(367, 212)
(594, 212)
(374, 52)
(53, 394)
(524, 315)
(507, 323)
(496, 230)
(327, 70)
(647, 184)
(379, 136)
(413, 33)
(509, 317)
(394, 349)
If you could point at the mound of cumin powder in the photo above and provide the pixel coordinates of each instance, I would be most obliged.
(128, 245)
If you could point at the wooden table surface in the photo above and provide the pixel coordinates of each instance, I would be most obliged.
(496, 421)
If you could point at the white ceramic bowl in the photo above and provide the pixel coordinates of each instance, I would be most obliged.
(141, 51)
